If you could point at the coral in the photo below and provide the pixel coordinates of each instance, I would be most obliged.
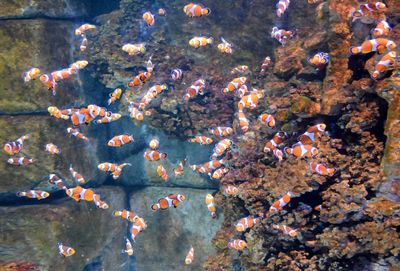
(18, 266)
(293, 260)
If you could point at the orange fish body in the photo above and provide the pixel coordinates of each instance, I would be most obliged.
(237, 244)
(282, 35)
(79, 193)
(319, 60)
(279, 204)
(286, 230)
(210, 203)
(240, 69)
(235, 84)
(76, 133)
(386, 63)
(115, 169)
(265, 64)
(171, 200)
(244, 123)
(32, 74)
(250, 101)
(369, 10)
(197, 42)
(34, 194)
(139, 226)
(109, 118)
(53, 149)
(203, 140)
(247, 223)
(281, 7)
(278, 154)
(55, 112)
(195, 10)
(152, 155)
(77, 177)
(148, 17)
(231, 190)
(14, 147)
(49, 82)
(54, 179)
(379, 45)
(78, 65)
(63, 74)
(115, 95)
(300, 150)
(179, 169)
(120, 140)
(162, 172)
(267, 119)
(313, 134)
(208, 167)
(189, 256)
(221, 131)
(197, 88)
(225, 47)
(135, 113)
(274, 142)
(221, 147)
(20, 161)
(131, 216)
(219, 173)
(65, 251)
(321, 169)
(134, 49)
(128, 247)
(381, 29)
(83, 28)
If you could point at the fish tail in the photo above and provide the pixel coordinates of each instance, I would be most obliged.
(210, 40)
(116, 213)
(206, 11)
(20, 194)
(355, 50)
(287, 150)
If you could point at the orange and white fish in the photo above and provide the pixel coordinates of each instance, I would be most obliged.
(63, 74)
(313, 134)
(278, 154)
(76, 133)
(100, 204)
(281, 35)
(135, 113)
(221, 131)
(128, 248)
(154, 144)
(129, 215)
(197, 42)
(54, 179)
(208, 167)
(210, 203)
(176, 74)
(235, 84)
(53, 149)
(171, 200)
(139, 226)
(381, 29)
(84, 44)
(219, 173)
(79, 65)
(237, 244)
(148, 17)
(115, 169)
(247, 223)
(120, 140)
(319, 60)
(162, 172)
(34, 194)
(203, 140)
(265, 64)
(242, 91)
(379, 45)
(179, 169)
(49, 82)
(231, 190)
(65, 250)
(139, 79)
(221, 148)
(110, 117)
(301, 150)
(386, 63)
(14, 147)
(240, 69)
(318, 207)
(368, 9)
(134, 49)
(225, 47)
(55, 112)
(286, 230)
(153, 155)
(321, 169)
(244, 123)
(79, 193)
(267, 119)
(275, 141)
(83, 28)
(157, 89)
(197, 88)
(281, 7)
(189, 256)
(279, 204)
(114, 96)
(162, 12)
(21, 161)
(251, 101)
(32, 74)
(195, 10)
(77, 176)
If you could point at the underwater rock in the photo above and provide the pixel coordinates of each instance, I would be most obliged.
(94, 233)
(170, 233)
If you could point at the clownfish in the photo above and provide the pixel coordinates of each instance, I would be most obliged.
(368, 9)
(197, 88)
(34, 194)
(240, 69)
(65, 250)
(154, 144)
(115, 95)
(55, 112)
(247, 223)
(128, 247)
(148, 17)
(171, 200)
(251, 101)
(242, 91)
(152, 155)
(379, 45)
(319, 60)
(219, 173)
(139, 226)
(195, 10)
(381, 29)
(139, 79)
(79, 193)
(21, 161)
(129, 215)
(32, 74)
(162, 12)
(221, 131)
(49, 82)
(321, 169)
(189, 256)
(267, 119)
(84, 44)
(78, 65)
(162, 172)
(386, 63)
(287, 230)
(110, 117)
(279, 204)
(203, 140)
(301, 150)
(135, 113)
(176, 74)
(225, 47)
(275, 141)
(120, 140)
(267, 61)
(52, 149)
(313, 134)
(134, 49)
(281, 35)
(115, 169)
(76, 133)
(281, 7)
(208, 167)
(14, 147)
(278, 154)
(83, 28)
(197, 42)
(235, 84)
(210, 203)
(244, 123)
(54, 179)
(237, 244)
(221, 147)
(77, 176)
(63, 74)
(179, 169)
(231, 190)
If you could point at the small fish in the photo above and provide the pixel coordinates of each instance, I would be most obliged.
(208, 167)
(157, 89)
(267, 119)
(32, 74)
(34, 194)
(386, 63)
(235, 84)
(265, 64)
(76, 133)
(368, 10)
(135, 113)
(55, 112)
(279, 204)
(278, 154)
(139, 79)
(63, 74)
(65, 250)
(128, 247)
(83, 28)
(114, 96)
(171, 200)
(134, 49)
(152, 155)
(120, 140)
(281, 7)
(231, 190)
(109, 118)
(154, 144)
(244, 123)
(379, 45)
(203, 140)
(381, 29)
(101, 204)
(53, 149)
(129, 215)
(286, 230)
(197, 42)
(319, 60)
(313, 134)
(195, 10)
(148, 17)
(221, 131)
(281, 35)
(49, 82)
(240, 69)
(225, 47)
(247, 223)
(21, 161)
(301, 150)
(162, 172)
(77, 176)
(275, 141)
(321, 169)
(179, 169)
(210, 202)
(84, 44)
(219, 173)
(162, 12)
(189, 256)
(54, 179)
(115, 169)
(79, 193)
(176, 74)
(237, 244)
(197, 88)
(79, 65)
(221, 148)
(251, 101)
(242, 91)
(318, 208)
(139, 226)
